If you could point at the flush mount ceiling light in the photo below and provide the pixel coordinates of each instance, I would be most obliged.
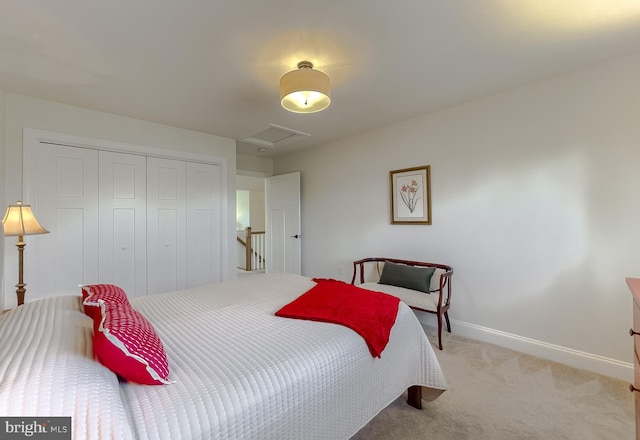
(305, 90)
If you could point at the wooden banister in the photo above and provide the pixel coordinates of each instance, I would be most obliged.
(250, 252)
(247, 248)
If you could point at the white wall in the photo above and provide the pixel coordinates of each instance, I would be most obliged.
(243, 209)
(255, 186)
(535, 205)
(24, 112)
(254, 166)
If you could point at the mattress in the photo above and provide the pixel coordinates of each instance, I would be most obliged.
(240, 372)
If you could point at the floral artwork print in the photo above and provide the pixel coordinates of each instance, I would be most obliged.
(409, 194)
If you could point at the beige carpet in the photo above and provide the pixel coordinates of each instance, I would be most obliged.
(496, 393)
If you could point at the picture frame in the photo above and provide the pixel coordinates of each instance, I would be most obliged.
(411, 196)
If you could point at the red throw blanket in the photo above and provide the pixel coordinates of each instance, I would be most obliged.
(371, 314)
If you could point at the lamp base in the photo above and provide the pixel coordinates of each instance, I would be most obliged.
(20, 291)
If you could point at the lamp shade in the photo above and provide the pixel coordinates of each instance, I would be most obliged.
(19, 220)
(305, 90)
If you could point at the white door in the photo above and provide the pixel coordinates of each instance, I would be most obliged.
(204, 224)
(67, 194)
(123, 221)
(166, 225)
(282, 232)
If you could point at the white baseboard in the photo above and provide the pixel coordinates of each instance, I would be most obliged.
(567, 356)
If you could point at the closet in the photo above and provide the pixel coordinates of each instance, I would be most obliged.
(146, 223)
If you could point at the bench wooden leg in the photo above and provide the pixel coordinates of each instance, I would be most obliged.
(439, 331)
(446, 317)
(414, 396)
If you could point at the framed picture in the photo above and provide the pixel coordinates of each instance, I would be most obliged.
(411, 196)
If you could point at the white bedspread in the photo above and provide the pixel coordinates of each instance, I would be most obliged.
(240, 372)
(47, 369)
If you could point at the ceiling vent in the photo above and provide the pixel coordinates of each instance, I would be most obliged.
(274, 136)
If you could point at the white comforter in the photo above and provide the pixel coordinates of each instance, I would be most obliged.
(240, 372)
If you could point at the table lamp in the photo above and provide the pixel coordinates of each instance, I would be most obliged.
(20, 221)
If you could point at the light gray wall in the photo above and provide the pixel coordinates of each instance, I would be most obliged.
(254, 166)
(535, 205)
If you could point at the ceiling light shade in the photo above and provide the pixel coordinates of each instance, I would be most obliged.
(305, 90)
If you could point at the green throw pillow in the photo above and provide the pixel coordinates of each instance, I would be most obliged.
(409, 277)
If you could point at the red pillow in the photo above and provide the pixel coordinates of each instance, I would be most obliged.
(127, 344)
(108, 293)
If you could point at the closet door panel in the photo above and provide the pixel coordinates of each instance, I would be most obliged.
(166, 225)
(67, 194)
(166, 275)
(123, 216)
(204, 224)
(68, 251)
(119, 264)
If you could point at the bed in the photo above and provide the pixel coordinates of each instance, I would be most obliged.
(237, 371)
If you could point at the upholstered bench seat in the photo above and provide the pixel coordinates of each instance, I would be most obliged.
(412, 298)
(422, 286)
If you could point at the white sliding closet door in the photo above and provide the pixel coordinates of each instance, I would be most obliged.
(204, 223)
(67, 194)
(148, 220)
(166, 225)
(123, 221)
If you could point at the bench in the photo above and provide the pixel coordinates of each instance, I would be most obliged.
(409, 281)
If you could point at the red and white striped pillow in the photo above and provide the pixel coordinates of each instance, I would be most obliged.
(125, 342)
(108, 293)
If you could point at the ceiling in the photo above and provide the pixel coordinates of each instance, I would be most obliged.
(214, 66)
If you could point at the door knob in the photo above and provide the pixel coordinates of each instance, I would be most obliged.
(295, 236)
(633, 332)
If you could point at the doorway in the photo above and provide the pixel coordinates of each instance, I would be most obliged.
(268, 227)
(250, 213)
